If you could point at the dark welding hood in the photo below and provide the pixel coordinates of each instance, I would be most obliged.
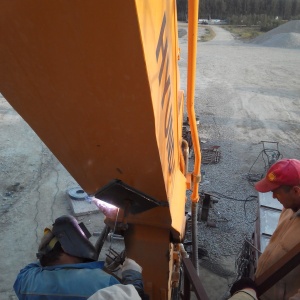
(73, 237)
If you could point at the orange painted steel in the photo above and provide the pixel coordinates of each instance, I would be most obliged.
(98, 82)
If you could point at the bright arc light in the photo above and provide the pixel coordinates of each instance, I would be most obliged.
(103, 203)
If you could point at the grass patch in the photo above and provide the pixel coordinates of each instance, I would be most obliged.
(208, 35)
(244, 33)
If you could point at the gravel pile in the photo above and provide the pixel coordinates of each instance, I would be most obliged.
(284, 36)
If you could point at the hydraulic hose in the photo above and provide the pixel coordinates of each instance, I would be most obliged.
(193, 6)
(192, 53)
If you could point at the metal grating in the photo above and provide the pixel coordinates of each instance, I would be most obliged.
(211, 155)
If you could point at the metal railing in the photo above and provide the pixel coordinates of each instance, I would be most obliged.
(192, 280)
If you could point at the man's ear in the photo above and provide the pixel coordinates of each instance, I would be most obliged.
(296, 190)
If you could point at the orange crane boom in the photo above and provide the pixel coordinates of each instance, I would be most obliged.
(98, 82)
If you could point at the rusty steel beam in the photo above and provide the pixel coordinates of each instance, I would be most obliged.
(191, 278)
(276, 272)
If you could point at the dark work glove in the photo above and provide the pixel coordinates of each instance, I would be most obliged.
(242, 283)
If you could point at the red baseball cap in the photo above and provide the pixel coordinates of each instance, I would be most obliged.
(283, 172)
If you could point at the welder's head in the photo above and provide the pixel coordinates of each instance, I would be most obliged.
(68, 236)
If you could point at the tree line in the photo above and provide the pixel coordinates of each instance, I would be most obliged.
(227, 9)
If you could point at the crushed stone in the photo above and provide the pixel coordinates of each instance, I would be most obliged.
(284, 36)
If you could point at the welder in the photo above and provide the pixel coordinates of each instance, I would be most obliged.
(68, 267)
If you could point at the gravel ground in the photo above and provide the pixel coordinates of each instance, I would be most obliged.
(245, 93)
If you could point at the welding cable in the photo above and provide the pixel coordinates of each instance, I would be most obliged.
(250, 198)
(219, 196)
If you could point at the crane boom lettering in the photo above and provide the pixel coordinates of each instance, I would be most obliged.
(165, 81)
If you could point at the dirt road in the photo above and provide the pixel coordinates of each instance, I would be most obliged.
(244, 94)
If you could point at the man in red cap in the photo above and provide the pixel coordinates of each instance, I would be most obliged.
(283, 180)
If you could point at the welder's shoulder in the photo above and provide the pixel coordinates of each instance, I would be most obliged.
(25, 276)
(32, 267)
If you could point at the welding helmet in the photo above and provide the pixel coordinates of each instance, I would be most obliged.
(73, 238)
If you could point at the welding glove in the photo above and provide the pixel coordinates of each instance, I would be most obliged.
(132, 274)
(118, 268)
(130, 264)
